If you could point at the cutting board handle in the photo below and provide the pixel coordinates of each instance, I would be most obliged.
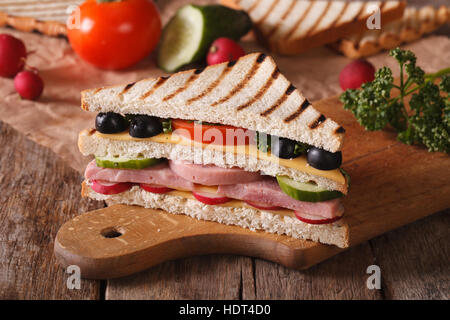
(120, 240)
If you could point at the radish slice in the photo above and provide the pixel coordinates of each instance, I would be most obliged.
(315, 219)
(154, 188)
(210, 198)
(262, 206)
(106, 187)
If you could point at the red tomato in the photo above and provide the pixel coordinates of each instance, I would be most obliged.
(223, 50)
(114, 35)
(154, 188)
(315, 219)
(105, 187)
(212, 134)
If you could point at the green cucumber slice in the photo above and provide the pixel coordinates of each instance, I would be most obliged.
(189, 34)
(125, 163)
(306, 191)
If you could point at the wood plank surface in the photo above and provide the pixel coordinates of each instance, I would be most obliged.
(415, 260)
(38, 193)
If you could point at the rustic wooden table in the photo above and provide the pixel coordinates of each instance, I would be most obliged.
(39, 193)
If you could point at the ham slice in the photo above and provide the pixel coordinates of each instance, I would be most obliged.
(269, 192)
(211, 175)
(159, 175)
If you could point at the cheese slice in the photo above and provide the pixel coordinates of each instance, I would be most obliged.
(298, 163)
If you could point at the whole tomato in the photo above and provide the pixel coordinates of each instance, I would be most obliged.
(114, 34)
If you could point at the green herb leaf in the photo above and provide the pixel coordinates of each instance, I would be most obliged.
(167, 125)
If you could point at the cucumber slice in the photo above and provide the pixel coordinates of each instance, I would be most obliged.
(125, 163)
(189, 34)
(306, 191)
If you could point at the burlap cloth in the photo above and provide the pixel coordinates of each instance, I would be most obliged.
(56, 118)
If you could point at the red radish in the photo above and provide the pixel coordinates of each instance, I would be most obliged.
(105, 187)
(355, 74)
(29, 84)
(210, 198)
(154, 188)
(315, 219)
(12, 55)
(223, 50)
(262, 206)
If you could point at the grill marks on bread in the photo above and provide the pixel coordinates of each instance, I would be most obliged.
(188, 82)
(299, 21)
(339, 130)
(312, 5)
(339, 15)
(283, 17)
(156, 85)
(240, 85)
(360, 13)
(279, 102)
(213, 85)
(261, 91)
(264, 17)
(314, 26)
(316, 123)
(126, 88)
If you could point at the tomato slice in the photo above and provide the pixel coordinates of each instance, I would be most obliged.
(105, 187)
(262, 206)
(315, 219)
(154, 188)
(212, 134)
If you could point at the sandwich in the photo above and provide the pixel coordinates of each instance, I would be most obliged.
(293, 26)
(414, 24)
(235, 143)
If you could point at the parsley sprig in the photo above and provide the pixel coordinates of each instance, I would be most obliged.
(426, 122)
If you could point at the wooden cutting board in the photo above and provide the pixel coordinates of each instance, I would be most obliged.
(392, 185)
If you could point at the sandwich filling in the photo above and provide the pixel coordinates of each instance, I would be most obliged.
(214, 185)
(211, 185)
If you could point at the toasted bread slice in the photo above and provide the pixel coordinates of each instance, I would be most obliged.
(46, 17)
(414, 24)
(250, 93)
(293, 26)
(278, 222)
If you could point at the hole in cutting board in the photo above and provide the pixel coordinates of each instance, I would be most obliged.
(110, 233)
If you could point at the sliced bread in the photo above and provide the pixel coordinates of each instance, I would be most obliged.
(293, 26)
(414, 25)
